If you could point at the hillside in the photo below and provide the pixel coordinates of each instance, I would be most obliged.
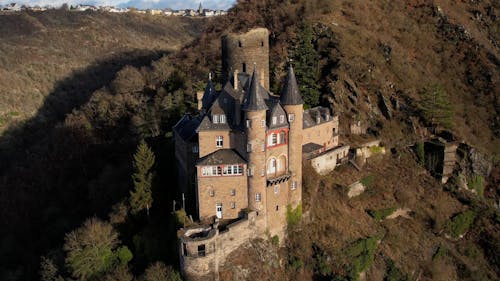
(74, 53)
(374, 62)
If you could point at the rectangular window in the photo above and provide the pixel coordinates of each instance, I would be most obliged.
(276, 189)
(257, 197)
(263, 123)
(233, 205)
(294, 185)
(275, 120)
(282, 119)
(249, 172)
(215, 119)
(240, 170)
(195, 149)
(274, 139)
(249, 147)
(212, 193)
(206, 171)
(222, 119)
(263, 147)
(263, 172)
(201, 250)
(233, 192)
(219, 141)
(249, 123)
(291, 117)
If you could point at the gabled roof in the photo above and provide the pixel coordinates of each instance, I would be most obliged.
(313, 115)
(276, 110)
(207, 125)
(221, 156)
(290, 94)
(254, 99)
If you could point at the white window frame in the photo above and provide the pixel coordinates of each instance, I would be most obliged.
(282, 119)
(249, 123)
(211, 193)
(215, 119)
(276, 189)
(233, 205)
(233, 192)
(294, 185)
(257, 197)
(291, 117)
(263, 123)
(275, 120)
(219, 141)
(222, 119)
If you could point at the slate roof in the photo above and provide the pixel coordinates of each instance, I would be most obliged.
(207, 125)
(221, 156)
(275, 111)
(290, 94)
(311, 147)
(310, 115)
(186, 127)
(254, 99)
(209, 95)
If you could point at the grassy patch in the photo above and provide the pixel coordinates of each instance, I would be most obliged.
(381, 214)
(460, 224)
(476, 183)
(375, 150)
(419, 149)
(293, 216)
(275, 240)
(367, 181)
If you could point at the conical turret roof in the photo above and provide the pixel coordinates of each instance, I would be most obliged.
(209, 95)
(254, 100)
(290, 94)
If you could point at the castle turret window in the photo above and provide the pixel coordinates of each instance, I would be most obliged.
(219, 141)
(291, 117)
(257, 197)
(211, 193)
(233, 192)
(249, 123)
(294, 185)
(233, 205)
(249, 147)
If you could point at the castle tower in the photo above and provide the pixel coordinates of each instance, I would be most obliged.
(255, 128)
(241, 51)
(293, 104)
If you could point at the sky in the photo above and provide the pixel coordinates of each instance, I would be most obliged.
(141, 4)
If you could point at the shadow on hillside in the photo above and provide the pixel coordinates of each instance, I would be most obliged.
(68, 95)
(49, 179)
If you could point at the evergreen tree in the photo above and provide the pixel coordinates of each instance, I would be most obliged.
(305, 62)
(141, 197)
(436, 108)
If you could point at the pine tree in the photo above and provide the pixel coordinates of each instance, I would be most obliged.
(141, 197)
(305, 61)
(436, 108)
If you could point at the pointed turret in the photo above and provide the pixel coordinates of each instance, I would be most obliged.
(290, 94)
(209, 95)
(254, 100)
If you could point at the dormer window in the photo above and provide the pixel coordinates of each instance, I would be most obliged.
(222, 119)
(215, 119)
(275, 120)
(282, 119)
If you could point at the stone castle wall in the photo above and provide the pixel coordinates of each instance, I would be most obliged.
(203, 250)
(240, 52)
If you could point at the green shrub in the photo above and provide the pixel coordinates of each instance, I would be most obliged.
(362, 255)
(293, 216)
(182, 218)
(394, 274)
(420, 150)
(440, 253)
(476, 183)
(381, 214)
(295, 263)
(275, 240)
(460, 223)
(368, 180)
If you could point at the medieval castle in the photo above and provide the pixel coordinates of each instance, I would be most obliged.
(241, 156)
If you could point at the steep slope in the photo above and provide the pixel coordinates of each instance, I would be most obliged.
(41, 52)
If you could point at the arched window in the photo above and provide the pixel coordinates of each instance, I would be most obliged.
(282, 164)
(272, 166)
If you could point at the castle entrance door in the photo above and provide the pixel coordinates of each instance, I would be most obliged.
(218, 210)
